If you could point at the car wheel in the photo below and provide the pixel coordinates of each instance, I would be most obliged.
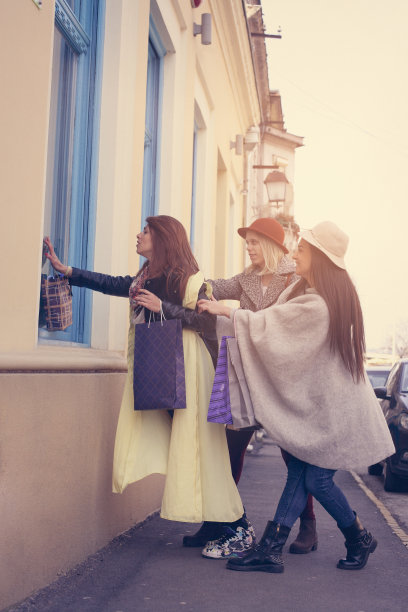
(375, 470)
(392, 483)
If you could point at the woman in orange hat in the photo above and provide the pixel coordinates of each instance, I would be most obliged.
(257, 287)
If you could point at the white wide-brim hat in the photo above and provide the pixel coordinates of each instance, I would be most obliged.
(329, 239)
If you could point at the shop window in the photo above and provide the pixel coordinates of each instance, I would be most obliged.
(154, 85)
(70, 199)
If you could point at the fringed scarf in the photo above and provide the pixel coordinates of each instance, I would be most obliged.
(135, 287)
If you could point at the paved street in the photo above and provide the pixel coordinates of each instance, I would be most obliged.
(148, 570)
(397, 503)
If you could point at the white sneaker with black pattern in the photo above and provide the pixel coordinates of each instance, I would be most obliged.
(232, 543)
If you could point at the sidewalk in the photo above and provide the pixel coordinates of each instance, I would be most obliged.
(147, 569)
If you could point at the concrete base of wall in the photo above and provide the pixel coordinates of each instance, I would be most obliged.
(57, 434)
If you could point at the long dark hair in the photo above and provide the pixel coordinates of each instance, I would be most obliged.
(346, 327)
(172, 255)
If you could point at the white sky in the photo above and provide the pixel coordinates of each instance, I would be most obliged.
(342, 70)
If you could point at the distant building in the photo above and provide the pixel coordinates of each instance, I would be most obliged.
(275, 153)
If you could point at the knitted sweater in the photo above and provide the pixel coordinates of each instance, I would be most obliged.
(247, 287)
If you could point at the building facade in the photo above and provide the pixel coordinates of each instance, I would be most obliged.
(272, 160)
(112, 110)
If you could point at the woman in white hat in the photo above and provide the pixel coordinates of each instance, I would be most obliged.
(303, 360)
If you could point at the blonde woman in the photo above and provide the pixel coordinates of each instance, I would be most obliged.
(257, 287)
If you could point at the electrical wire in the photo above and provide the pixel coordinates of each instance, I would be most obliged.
(339, 117)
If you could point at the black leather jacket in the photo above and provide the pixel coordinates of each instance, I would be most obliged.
(204, 323)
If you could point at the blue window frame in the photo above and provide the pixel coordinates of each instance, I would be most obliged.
(151, 165)
(72, 148)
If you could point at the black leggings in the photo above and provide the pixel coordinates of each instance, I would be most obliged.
(237, 445)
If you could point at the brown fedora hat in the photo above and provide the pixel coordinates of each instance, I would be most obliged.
(267, 227)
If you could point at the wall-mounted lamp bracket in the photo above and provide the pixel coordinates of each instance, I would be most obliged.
(266, 167)
(259, 34)
(238, 145)
(204, 29)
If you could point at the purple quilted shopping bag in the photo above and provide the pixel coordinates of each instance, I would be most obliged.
(219, 410)
(158, 371)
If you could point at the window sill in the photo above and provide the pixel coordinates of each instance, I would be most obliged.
(63, 359)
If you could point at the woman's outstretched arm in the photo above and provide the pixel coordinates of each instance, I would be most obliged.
(111, 285)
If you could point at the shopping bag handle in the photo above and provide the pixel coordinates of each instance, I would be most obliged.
(162, 317)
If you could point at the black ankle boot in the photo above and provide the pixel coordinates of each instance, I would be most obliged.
(359, 543)
(265, 556)
(208, 531)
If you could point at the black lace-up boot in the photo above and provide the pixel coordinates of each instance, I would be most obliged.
(359, 544)
(208, 531)
(265, 556)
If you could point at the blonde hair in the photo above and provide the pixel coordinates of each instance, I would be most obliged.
(271, 253)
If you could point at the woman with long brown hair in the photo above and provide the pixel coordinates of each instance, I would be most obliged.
(192, 453)
(303, 361)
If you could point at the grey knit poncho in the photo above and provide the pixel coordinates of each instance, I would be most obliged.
(302, 392)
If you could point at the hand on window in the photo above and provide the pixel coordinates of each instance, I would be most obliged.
(53, 259)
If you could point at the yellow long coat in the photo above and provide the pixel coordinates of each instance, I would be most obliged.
(192, 453)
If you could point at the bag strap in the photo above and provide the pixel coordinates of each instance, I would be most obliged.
(162, 317)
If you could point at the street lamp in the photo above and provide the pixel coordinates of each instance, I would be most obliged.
(276, 183)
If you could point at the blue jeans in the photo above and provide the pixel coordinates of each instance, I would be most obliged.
(304, 478)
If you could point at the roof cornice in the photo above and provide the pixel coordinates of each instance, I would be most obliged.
(231, 26)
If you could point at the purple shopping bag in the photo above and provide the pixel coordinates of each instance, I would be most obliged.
(158, 369)
(219, 410)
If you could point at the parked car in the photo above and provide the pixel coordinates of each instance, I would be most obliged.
(378, 374)
(393, 396)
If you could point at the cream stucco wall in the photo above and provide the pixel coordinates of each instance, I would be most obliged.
(222, 102)
(56, 504)
(120, 161)
(25, 67)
